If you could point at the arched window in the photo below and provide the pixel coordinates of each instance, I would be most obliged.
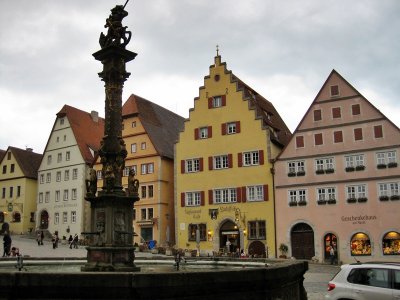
(16, 217)
(391, 243)
(360, 244)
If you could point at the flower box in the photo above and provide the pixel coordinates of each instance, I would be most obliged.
(384, 198)
(321, 202)
(360, 168)
(292, 203)
(362, 199)
(301, 173)
(291, 174)
(392, 165)
(395, 197)
(319, 172)
(302, 203)
(332, 201)
(381, 166)
(350, 169)
(351, 200)
(329, 171)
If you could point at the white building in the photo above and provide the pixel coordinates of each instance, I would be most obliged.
(68, 155)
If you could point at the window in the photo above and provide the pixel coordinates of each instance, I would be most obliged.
(4, 169)
(318, 139)
(133, 124)
(317, 115)
(151, 191)
(144, 189)
(150, 213)
(230, 128)
(67, 155)
(300, 141)
(216, 101)
(57, 196)
(49, 159)
(47, 197)
(65, 217)
(391, 246)
(225, 195)
(255, 193)
(58, 176)
(66, 175)
(62, 121)
(324, 164)
(297, 196)
(336, 112)
(389, 189)
(65, 137)
(12, 168)
(334, 90)
(296, 168)
(11, 191)
(48, 177)
(74, 174)
(355, 109)
(73, 217)
(193, 229)
(192, 165)
(358, 134)
(338, 136)
(386, 159)
(193, 199)
(65, 195)
(8, 155)
(56, 218)
(133, 148)
(59, 157)
(19, 191)
(74, 194)
(41, 178)
(326, 193)
(147, 168)
(221, 162)
(353, 161)
(360, 245)
(143, 146)
(251, 158)
(356, 191)
(204, 132)
(377, 277)
(257, 230)
(40, 197)
(143, 214)
(3, 194)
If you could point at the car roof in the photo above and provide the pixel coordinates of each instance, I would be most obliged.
(382, 263)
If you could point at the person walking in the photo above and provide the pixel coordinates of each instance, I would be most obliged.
(6, 244)
(41, 237)
(70, 241)
(332, 255)
(75, 241)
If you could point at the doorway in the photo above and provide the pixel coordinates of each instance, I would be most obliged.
(302, 241)
(329, 240)
(44, 220)
(229, 237)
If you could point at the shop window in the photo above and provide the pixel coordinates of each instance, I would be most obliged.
(192, 232)
(360, 244)
(17, 217)
(391, 243)
(257, 230)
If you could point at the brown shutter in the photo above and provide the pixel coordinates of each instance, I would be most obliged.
(244, 195)
(210, 102)
(358, 135)
(196, 133)
(317, 115)
(210, 162)
(210, 197)
(209, 132)
(201, 163)
(261, 156)
(202, 198)
(318, 139)
(182, 166)
(378, 133)
(238, 127)
(266, 196)
(183, 199)
(355, 109)
(230, 163)
(240, 159)
(299, 141)
(336, 112)
(338, 136)
(223, 128)
(239, 194)
(223, 98)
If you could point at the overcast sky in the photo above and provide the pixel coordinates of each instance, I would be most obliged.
(284, 50)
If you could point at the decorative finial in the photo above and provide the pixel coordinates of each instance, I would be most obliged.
(217, 50)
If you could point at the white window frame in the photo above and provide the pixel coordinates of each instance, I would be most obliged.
(49, 159)
(221, 162)
(58, 176)
(192, 199)
(74, 174)
(386, 157)
(74, 194)
(354, 160)
(133, 148)
(57, 196)
(326, 193)
(192, 165)
(296, 166)
(255, 193)
(73, 217)
(56, 218)
(41, 178)
(47, 197)
(324, 163)
(231, 128)
(40, 200)
(59, 157)
(203, 132)
(356, 191)
(65, 195)
(388, 189)
(217, 101)
(65, 217)
(251, 158)
(66, 175)
(228, 195)
(143, 146)
(48, 177)
(67, 155)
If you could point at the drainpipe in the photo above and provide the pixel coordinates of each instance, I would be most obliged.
(273, 197)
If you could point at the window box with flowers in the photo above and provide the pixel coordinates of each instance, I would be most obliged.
(320, 171)
(395, 197)
(392, 165)
(360, 168)
(381, 166)
(384, 198)
(362, 199)
(329, 171)
(302, 203)
(292, 203)
(301, 173)
(349, 169)
(291, 174)
(321, 202)
(332, 201)
(351, 200)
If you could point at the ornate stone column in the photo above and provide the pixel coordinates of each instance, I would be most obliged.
(111, 243)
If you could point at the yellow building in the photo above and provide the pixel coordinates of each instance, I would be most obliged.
(18, 185)
(224, 186)
(149, 132)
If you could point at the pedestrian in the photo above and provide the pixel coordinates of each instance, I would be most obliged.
(228, 245)
(41, 237)
(6, 244)
(70, 241)
(75, 241)
(54, 240)
(332, 255)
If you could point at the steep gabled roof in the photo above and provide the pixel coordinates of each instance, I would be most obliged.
(27, 160)
(266, 111)
(87, 131)
(162, 125)
(2, 153)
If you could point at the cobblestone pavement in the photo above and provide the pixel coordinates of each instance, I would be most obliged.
(316, 280)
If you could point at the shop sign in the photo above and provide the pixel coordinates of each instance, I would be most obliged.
(359, 219)
(195, 213)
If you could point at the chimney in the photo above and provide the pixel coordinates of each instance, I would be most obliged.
(95, 116)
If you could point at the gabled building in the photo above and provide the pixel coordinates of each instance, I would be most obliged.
(18, 185)
(224, 184)
(69, 153)
(337, 181)
(149, 132)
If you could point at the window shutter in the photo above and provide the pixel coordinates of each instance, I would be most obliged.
(223, 98)
(239, 194)
(210, 197)
(355, 109)
(182, 199)
(299, 141)
(202, 198)
(238, 127)
(209, 132)
(223, 128)
(210, 102)
(201, 162)
(378, 133)
(266, 196)
(196, 133)
(230, 163)
(317, 115)
(244, 194)
(338, 136)
(318, 139)
(210, 162)
(336, 112)
(240, 159)
(182, 166)
(261, 156)
(358, 134)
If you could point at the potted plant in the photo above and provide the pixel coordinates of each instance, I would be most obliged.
(301, 173)
(360, 168)
(331, 201)
(384, 198)
(362, 199)
(302, 202)
(349, 169)
(292, 203)
(395, 197)
(283, 248)
(330, 170)
(381, 166)
(351, 200)
(321, 202)
(319, 171)
(291, 174)
(392, 165)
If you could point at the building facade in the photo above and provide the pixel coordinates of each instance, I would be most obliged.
(69, 153)
(149, 132)
(18, 186)
(337, 180)
(224, 185)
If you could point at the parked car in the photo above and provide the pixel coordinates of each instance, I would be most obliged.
(366, 281)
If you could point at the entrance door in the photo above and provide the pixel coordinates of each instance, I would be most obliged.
(329, 240)
(44, 220)
(229, 237)
(302, 239)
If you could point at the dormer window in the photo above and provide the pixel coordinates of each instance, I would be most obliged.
(62, 121)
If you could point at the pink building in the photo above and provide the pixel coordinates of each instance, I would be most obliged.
(337, 181)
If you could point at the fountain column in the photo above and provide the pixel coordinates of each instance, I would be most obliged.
(111, 243)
